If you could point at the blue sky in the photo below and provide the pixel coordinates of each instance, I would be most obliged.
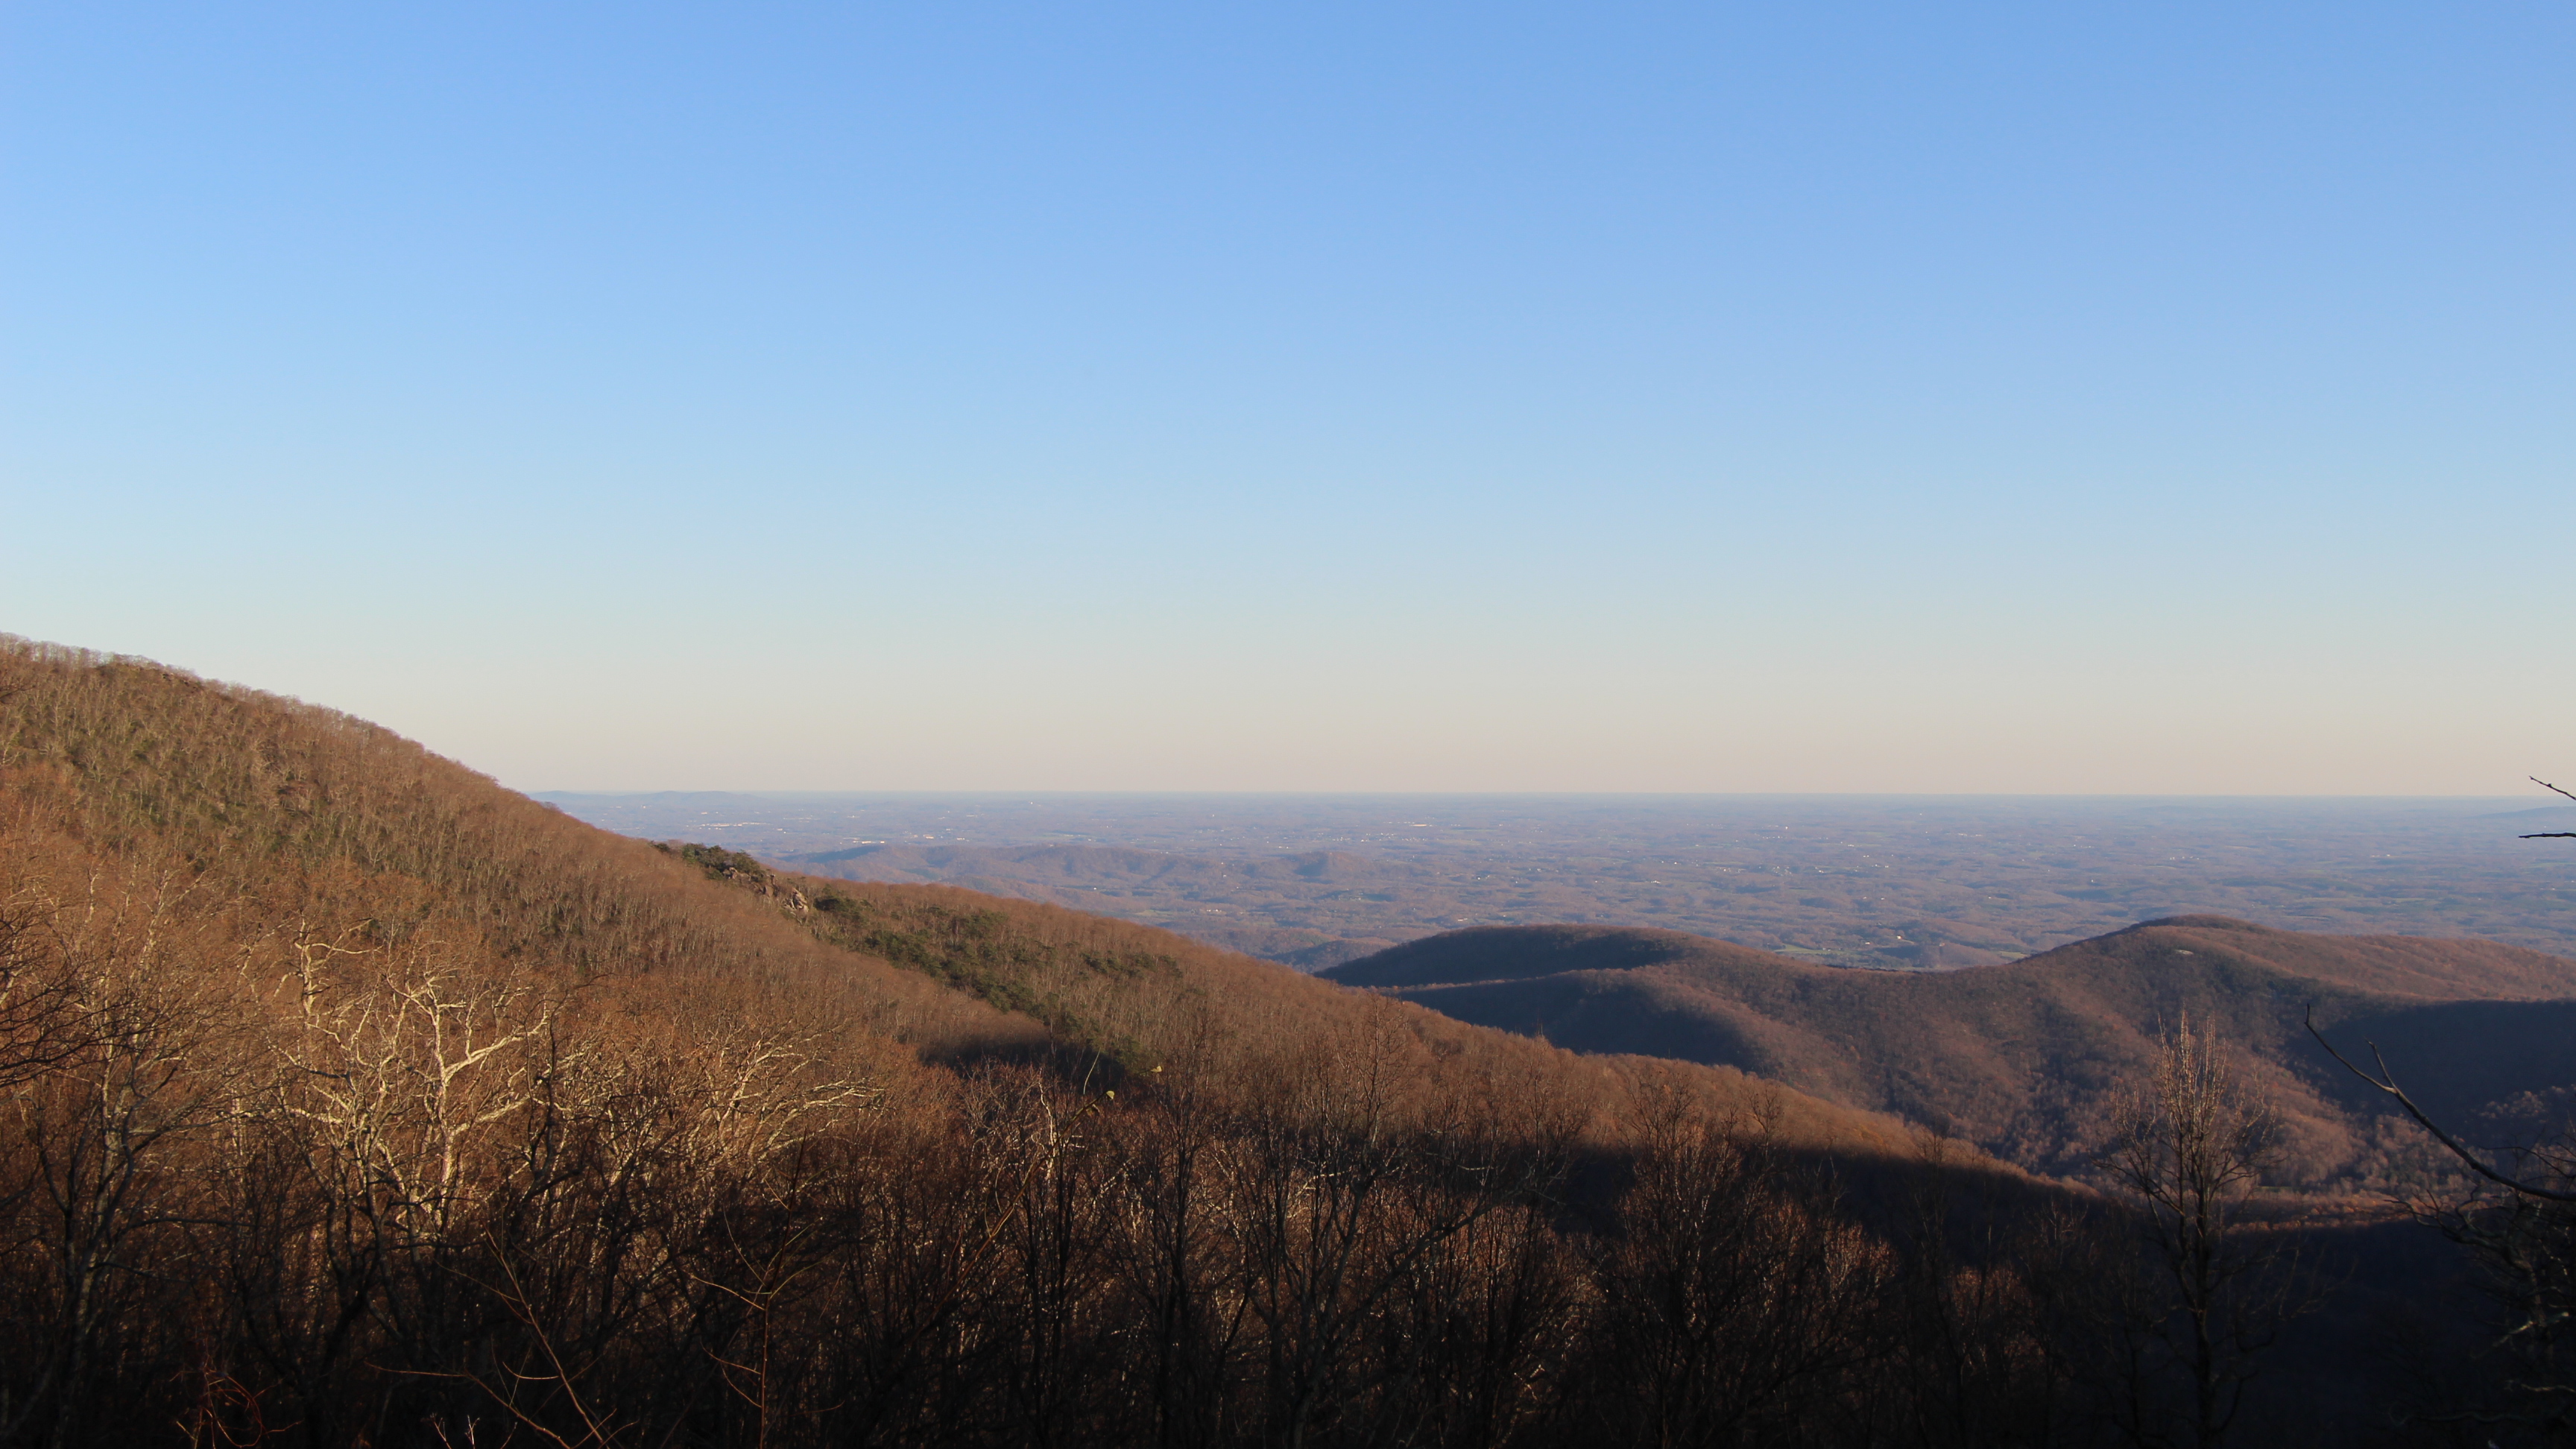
(2046, 398)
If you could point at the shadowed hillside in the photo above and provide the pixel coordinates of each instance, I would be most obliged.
(2026, 1058)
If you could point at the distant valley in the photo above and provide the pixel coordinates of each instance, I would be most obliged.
(1890, 882)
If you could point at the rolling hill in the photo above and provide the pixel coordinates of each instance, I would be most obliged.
(2026, 1058)
(355, 1099)
(262, 821)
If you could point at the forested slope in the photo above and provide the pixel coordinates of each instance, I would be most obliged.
(2029, 1058)
(354, 1100)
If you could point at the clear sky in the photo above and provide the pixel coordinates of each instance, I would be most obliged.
(2094, 398)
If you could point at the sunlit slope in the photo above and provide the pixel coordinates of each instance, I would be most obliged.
(364, 1089)
(2027, 1058)
(274, 827)
(282, 817)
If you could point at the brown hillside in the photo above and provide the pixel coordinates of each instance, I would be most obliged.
(354, 1099)
(279, 817)
(275, 821)
(1143, 998)
(2024, 1058)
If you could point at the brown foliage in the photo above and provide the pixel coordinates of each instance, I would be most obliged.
(351, 1100)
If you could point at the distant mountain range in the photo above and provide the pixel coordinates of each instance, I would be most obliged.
(2027, 1059)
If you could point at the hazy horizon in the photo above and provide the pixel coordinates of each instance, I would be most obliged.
(1312, 879)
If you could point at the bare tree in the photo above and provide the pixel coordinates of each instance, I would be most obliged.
(103, 1184)
(1736, 1300)
(2190, 1149)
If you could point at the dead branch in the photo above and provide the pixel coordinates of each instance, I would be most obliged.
(2386, 1081)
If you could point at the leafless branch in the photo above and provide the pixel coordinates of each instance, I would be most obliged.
(2386, 1081)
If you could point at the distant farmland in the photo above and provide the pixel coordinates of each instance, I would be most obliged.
(1889, 881)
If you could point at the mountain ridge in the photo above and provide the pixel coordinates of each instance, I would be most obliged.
(2022, 1058)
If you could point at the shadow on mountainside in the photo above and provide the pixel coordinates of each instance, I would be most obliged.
(2025, 1058)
